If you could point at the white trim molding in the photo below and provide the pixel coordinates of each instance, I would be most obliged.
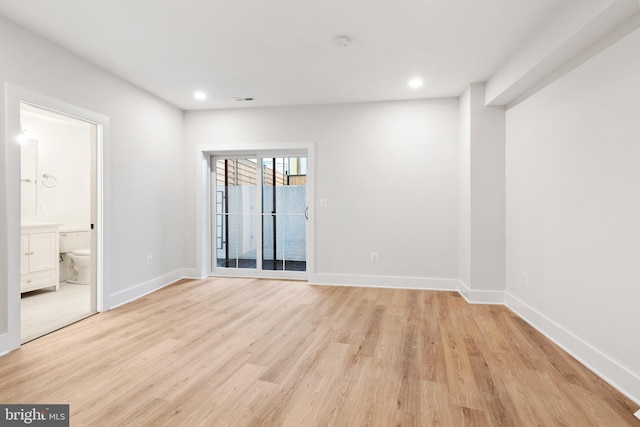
(145, 288)
(393, 282)
(4, 345)
(192, 273)
(599, 363)
(479, 296)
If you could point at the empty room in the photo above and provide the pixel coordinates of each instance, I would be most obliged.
(320, 213)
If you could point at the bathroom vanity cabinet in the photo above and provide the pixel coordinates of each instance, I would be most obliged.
(39, 253)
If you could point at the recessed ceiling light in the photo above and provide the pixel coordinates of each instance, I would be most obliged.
(415, 83)
(200, 95)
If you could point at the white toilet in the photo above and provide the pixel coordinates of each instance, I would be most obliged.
(81, 263)
(74, 244)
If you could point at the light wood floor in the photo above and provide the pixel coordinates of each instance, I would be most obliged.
(220, 352)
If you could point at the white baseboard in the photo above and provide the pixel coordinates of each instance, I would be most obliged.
(393, 282)
(475, 296)
(269, 275)
(4, 344)
(609, 370)
(142, 289)
(192, 273)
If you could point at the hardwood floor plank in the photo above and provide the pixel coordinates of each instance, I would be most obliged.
(501, 410)
(250, 352)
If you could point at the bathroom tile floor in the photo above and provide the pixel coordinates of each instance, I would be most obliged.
(45, 310)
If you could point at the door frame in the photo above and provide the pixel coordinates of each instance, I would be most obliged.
(14, 95)
(205, 206)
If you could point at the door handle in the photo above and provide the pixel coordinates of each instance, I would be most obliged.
(306, 212)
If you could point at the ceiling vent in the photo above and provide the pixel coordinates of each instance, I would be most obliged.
(242, 98)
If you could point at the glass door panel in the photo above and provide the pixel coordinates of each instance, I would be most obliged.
(236, 213)
(284, 209)
(295, 245)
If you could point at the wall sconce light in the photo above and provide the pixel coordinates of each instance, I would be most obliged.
(24, 136)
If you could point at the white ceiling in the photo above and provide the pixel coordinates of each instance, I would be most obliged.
(281, 52)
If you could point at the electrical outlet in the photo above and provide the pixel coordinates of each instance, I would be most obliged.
(525, 278)
(323, 203)
(374, 256)
(149, 259)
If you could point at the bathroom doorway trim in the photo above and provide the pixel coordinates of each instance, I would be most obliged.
(14, 95)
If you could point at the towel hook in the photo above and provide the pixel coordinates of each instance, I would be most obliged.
(49, 181)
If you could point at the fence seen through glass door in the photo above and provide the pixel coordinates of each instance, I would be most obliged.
(236, 213)
(284, 211)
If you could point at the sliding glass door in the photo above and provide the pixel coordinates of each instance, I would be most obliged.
(272, 242)
(235, 213)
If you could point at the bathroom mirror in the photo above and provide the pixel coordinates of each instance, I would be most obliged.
(29, 177)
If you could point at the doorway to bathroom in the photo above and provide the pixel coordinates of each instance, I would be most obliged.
(58, 269)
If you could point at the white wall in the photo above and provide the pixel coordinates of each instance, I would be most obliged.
(64, 152)
(487, 192)
(146, 158)
(482, 206)
(464, 203)
(389, 172)
(573, 211)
